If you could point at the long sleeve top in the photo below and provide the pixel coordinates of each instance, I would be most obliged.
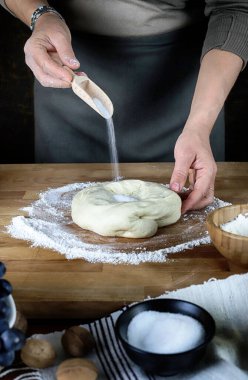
(227, 19)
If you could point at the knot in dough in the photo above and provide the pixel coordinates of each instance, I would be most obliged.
(128, 208)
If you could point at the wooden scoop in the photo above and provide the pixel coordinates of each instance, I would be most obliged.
(91, 94)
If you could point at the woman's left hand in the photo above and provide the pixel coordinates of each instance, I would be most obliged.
(193, 154)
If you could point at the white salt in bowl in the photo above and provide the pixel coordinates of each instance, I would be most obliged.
(232, 246)
(151, 360)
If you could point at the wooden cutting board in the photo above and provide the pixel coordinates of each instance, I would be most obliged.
(46, 285)
(170, 236)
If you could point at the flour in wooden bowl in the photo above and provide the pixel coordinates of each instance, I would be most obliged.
(237, 226)
(48, 224)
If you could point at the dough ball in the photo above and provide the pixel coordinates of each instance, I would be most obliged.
(128, 208)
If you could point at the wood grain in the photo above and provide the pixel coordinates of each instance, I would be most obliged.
(46, 285)
(233, 246)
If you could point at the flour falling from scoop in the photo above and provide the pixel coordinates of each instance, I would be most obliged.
(111, 138)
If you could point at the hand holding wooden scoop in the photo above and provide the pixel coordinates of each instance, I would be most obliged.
(91, 94)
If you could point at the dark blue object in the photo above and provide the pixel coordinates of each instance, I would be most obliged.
(5, 288)
(11, 339)
(2, 269)
(19, 338)
(6, 358)
(5, 310)
(3, 325)
(166, 364)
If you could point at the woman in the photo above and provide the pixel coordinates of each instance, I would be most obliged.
(167, 75)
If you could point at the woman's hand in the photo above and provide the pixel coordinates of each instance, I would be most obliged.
(48, 50)
(193, 155)
(218, 72)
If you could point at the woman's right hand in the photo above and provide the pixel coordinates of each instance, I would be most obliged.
(48, 50)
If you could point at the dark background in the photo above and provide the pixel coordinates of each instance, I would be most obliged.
(16, 101)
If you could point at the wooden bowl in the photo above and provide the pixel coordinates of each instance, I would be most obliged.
(233, 247)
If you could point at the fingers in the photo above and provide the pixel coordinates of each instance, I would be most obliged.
(192, 178)
(199, 193)
(48, 69)
(203, 190)
(66, 53)
(198, 199)
(180, 175)
(78, 73)
(49, 81)
(48, 72)
(46, 60)
(194, 160)
(81, 74)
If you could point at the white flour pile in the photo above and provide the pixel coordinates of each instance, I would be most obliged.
(49, 225)
(237, 226)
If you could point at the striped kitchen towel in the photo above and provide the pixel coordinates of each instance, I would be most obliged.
(226, 300)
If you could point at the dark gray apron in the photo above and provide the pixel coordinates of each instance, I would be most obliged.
(150, 81)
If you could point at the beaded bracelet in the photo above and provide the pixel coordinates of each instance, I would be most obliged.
(40, 11)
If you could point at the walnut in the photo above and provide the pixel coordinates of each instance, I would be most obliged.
(21, 322)
(77, 341)
(76, 369)
(38, 353)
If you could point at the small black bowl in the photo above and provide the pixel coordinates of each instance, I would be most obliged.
(165, 364)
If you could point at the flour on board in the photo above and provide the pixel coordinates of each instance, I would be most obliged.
(48, 221)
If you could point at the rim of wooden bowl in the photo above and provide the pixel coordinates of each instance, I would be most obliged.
(210, 221)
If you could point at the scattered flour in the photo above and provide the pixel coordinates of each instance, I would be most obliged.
(237, 226)
(49, 225)
(165, 333)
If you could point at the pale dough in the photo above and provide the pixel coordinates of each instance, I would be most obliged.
(127, 208)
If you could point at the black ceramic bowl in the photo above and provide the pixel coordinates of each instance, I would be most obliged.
(165, 364)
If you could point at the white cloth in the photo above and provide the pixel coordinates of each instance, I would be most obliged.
(226, 300)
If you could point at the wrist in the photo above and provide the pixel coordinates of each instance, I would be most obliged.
(206, 106)
(24, 9)
(204, 112)
(40, 12)
(201, 122)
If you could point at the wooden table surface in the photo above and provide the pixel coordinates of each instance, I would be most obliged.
(44, 287)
